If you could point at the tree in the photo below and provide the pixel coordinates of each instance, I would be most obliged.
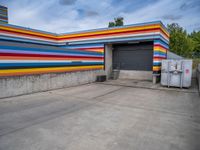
(111, 24)
(180, 43)
(119, 21)
(195, 36)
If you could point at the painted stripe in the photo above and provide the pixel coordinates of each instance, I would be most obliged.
(113, 37)
(43, 55)
(13, 72)
(119, 39)
(46, 58)
(156, 68)
(46, 61)
(13, 49)
(50, 64)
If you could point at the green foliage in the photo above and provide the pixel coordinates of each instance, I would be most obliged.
(119, 21)
(181, 43)
(111, 24)
(195, 36)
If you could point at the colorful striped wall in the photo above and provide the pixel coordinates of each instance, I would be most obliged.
(87, 48)
(22, 59)
(160, 49)
(3, 15)
(146, 31)
(126, 33)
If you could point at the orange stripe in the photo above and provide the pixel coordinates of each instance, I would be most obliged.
(42, 72)
(158, 58)
(160, 47)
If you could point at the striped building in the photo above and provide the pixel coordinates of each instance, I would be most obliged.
(84, 46)
(136, 50)
(3, 14)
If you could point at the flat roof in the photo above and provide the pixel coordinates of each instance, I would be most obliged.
(90, 30)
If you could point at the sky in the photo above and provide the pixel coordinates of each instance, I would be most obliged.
(62, 16)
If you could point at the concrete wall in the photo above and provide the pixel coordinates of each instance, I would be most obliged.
(134, 74)
(108, 59)
(18, 85)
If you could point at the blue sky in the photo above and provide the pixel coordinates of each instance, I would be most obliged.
(73, 15)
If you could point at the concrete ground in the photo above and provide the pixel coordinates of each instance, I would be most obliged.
(101, 117)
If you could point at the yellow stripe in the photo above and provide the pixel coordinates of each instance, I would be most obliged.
(158, 47)
(156, 68)
(160, 50)
(48, 69)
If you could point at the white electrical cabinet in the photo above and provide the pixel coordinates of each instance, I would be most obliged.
(176, 73)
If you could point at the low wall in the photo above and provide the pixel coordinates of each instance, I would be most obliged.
(19, 85)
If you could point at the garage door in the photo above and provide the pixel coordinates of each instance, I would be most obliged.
(133, 56)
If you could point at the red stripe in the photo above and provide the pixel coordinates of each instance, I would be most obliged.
(160, 46)
(158, 57)
(91, 48)
(44, 55)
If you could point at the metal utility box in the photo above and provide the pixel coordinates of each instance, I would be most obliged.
(176, 73)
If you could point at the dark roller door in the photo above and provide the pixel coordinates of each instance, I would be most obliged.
(133, 56)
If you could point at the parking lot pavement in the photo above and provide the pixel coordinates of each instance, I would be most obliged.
(101, 117)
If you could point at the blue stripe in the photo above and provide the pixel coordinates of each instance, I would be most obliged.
(51, 51)
(161, 43)
(39, 64)
(159, 53)
(157, 63)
